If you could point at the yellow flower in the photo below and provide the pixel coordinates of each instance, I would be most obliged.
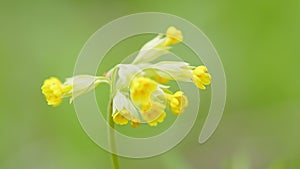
(123, 117)
(151, 105)
(160, 119)
(118, 118)
(177, 102)
(158, 46)
(54, 90)
(138, 89)
(141, 89)
(154, 114)
(173, 36)
(135, 122)
(201, 77)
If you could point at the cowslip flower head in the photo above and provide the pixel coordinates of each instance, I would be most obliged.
(140, 90)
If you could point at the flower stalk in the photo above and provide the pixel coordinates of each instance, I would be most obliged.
(112, 141)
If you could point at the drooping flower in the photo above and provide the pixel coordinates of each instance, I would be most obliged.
(159, 119)
(158, 46)
(118, 118)
(123, 108)
(154, 112)
(201, 77)
(178, 102)
(141, 89)
(55, 91)
(173, 36)
(124, 117)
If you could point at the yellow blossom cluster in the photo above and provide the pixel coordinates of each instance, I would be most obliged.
(141, 91)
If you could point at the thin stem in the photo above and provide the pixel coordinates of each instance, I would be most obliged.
(112, 140)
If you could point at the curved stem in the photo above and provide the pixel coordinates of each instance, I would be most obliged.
(112, 140)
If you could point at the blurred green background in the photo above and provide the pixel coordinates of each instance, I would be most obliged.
(258, 42)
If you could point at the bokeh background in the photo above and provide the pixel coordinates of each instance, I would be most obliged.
(258, 42)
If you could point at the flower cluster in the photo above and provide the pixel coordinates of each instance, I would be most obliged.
(139, 90)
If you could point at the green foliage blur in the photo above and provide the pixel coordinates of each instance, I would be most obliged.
(258, 42)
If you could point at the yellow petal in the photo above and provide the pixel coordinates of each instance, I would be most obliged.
(119, 119)
(173, 36)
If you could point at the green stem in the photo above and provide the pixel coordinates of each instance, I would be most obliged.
(112, 140)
